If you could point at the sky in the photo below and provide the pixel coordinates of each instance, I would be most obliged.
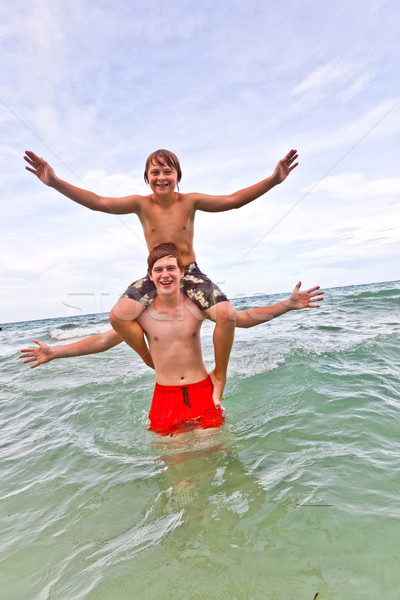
(94, 86)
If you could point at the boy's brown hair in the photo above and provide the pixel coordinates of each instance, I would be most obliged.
(160, 158)
(163, 250)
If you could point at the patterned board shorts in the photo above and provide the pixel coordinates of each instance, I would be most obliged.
(194, 284)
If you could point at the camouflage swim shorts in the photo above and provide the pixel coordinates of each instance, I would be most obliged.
(194, 284)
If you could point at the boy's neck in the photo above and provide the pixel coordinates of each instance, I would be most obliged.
(169, 302)
(164, 199)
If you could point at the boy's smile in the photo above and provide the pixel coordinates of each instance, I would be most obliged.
(166, 275)
(162, 178)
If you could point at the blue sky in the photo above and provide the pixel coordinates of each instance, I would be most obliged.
(230, 87)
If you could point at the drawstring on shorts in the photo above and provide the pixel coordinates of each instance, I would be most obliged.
(185, 395)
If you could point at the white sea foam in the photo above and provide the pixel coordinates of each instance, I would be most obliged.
(77, 333)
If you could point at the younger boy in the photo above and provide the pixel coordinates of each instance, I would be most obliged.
(166, 214)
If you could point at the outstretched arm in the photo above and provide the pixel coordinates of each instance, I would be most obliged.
(90, 345)
(242, 197)
(297, 301)
(43, 171)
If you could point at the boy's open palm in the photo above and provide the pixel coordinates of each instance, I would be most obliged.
(40, 355)
(285, 165)
(306, 299)
(39, 167)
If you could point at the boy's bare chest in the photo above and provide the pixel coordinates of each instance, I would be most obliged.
(174, 217)
(164, 329)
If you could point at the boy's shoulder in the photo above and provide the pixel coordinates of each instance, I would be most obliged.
(189, 197)
(185, 199)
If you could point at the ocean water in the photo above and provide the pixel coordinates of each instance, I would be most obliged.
(296, 495)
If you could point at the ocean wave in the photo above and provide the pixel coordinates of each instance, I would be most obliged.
(387, 294)
(249, 358)
(61, 334)
(374, 292)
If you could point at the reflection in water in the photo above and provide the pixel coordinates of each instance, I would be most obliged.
(206, 479)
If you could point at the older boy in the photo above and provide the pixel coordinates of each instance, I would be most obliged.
(172, 323)
(166, 214)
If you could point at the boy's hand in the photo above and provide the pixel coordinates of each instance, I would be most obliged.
(307, 299)
(41, 355)
(218, 388)
(284, 166)
(41, 168)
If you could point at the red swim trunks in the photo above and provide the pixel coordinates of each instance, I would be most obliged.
(178, 408)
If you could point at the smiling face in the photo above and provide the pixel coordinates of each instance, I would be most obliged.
(166, 275)
(162, 178)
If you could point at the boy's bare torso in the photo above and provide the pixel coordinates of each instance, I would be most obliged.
(173, 334)
(171, 220)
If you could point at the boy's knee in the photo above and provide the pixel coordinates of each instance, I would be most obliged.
(226, 314)
(113, 318)
(124, 310)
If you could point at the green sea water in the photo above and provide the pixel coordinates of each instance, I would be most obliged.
(296, 495)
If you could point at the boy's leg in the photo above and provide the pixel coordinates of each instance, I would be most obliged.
(123, 320)
(223, 314)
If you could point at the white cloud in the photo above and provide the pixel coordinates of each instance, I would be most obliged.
(355, 87)
(324, 76)
(357, 186)
(115, 184)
